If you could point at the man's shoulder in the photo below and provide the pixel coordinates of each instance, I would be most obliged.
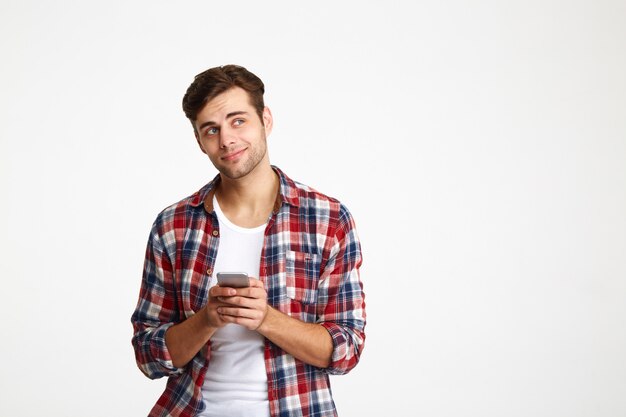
(327, 214)
(302, 194)
(308, 193)
(184, 208)
(311, 201)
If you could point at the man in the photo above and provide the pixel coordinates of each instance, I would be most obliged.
(266, 349)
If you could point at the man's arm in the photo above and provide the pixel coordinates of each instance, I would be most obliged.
(309, 342)
(156, 311)
(342, 308)
(184, 340)
(163, 343)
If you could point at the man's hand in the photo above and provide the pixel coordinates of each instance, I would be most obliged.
(248, 307)
(244, 306)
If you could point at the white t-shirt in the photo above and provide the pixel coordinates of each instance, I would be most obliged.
(235, 384)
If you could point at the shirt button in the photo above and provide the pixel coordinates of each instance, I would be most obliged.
(209, 271)
(215, 232)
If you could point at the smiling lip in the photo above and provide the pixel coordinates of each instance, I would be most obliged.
(233, 156)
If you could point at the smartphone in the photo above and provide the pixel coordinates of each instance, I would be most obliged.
(233, 279)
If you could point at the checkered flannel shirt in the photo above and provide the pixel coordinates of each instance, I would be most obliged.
(310, 266)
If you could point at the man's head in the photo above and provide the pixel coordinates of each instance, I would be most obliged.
(230, 121)
(215, 81)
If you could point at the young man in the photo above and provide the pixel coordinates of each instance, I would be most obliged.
(266, 349)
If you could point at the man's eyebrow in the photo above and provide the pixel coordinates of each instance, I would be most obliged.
(228, 116)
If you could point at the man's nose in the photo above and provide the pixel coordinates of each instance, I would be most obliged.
(227, 137)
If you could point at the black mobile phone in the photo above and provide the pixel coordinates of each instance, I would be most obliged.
(233, 279)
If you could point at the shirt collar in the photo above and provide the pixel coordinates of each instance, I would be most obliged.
(288, 192)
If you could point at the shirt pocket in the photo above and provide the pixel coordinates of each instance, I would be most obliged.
(302, 276)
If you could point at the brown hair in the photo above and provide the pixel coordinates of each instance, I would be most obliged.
(209, 84)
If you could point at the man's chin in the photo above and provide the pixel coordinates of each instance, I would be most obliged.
(234, 173)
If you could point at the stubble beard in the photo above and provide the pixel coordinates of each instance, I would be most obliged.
(256, 155)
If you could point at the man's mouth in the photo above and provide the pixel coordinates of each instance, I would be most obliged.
(233, 155)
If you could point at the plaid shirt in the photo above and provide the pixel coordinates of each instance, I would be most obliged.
(310, 266)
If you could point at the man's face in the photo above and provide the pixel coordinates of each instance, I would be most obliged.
(229, 131)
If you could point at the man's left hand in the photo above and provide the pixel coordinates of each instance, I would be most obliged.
(248, 307)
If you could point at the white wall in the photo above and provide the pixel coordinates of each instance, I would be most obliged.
(481, 146)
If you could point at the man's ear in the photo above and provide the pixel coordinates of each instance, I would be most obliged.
(268, 121)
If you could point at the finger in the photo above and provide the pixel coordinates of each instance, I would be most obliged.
(239, 301)
(218, 291)
(256, 283)
(243, 313)
(252, 292)
(250, 324)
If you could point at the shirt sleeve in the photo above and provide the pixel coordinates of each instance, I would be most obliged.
(343, 313)
(156, 311)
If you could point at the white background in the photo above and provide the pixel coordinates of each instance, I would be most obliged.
(480, 145)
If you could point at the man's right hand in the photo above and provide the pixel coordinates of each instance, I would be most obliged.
(215, 319)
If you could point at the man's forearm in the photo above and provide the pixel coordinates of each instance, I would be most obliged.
(309, 342)
(184, 340)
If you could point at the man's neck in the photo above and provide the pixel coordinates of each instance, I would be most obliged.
(248, 201)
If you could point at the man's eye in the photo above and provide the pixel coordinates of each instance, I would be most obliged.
(211, 131)
(238, 122)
